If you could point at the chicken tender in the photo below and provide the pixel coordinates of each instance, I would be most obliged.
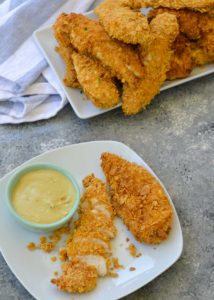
(96, 81)
(195, 43)
(138, 199)
(182, 62)
(89, 37)
(164, 30)
(78, 277)
(70, 79)
(123, 23)
(198, 5)
(194, 25)
(88, 246)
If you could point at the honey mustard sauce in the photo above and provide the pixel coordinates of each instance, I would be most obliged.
(43, 196)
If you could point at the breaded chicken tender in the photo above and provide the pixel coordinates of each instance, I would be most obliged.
(96, 81)
(88, 246)
(123, 23)
(198, 5)
(181, 63)
(138, 199)
(70, 79)
(78, 277)
(164, 30)
(89, 38)
(195, 43)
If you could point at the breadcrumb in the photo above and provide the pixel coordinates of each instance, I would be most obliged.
(113, 275)
(47, 247)
(116, 263)
(56, 273)
(48, 244)
(63, 255)
(132, 250)
(131, 269)
(31, 246)
(127, 239)
(53, 258)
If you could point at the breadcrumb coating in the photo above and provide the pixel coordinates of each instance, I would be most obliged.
(194, 45)
(96, 81)
(123, 23)
(89, 38)
(78, 277)
(70, 79)
(88, 246)
(164, 30)
(199, 5)
(138, 199)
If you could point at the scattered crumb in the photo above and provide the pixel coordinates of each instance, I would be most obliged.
(132, 250)
(112, 274)
(62, 255)
(56, 273)
(131, 269)
(53, 258)
(48, 244)
(138, 254)
(43, 240)
(31, 246)
(127, 239)
(116, 263)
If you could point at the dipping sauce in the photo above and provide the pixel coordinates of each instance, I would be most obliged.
(43, 196)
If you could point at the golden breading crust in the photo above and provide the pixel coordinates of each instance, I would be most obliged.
(181, 62)
(199, 5)
(96, 81)
(70, 79)
(61, 30)
(88, 246)
(89, 37)
(164, 29)
(78, 277)
(123, 23)
(195, 43)
(138, 199)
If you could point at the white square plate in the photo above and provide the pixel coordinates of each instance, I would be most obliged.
(35, 269)
(85, 109)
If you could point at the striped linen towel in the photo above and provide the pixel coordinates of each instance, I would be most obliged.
(29, 90)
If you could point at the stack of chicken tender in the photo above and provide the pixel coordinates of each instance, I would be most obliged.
(126, 55)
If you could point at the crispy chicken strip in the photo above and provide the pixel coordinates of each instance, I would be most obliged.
(199, 5)
(194, 25)
(123, 23)
(182, 62)
(78, 277)
(164, 29)
(88, 246)
(90, 38)
(70, 79)
(138, 199)
(96, 81)
(194, 45)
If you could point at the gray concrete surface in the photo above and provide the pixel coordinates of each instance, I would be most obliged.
(175, 137)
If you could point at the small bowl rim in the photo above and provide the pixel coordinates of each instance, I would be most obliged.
(35, 166)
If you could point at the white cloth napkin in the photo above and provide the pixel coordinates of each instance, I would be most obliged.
(29, 90)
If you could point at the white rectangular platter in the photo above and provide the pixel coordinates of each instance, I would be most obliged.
(35, 269)
(85, 109)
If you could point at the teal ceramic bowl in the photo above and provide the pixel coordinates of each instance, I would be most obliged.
(35, 226)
